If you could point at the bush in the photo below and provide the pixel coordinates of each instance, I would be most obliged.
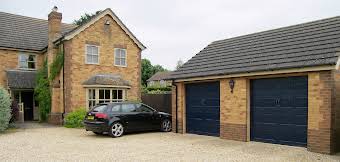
(156, 88)
(75, 118)
(5, 109)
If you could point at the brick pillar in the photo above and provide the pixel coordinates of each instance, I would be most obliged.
(233, 110)
(321, 112)
(337, 109)
(54, 30)
(180, 97)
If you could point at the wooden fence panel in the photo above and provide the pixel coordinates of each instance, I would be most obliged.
(160, 102)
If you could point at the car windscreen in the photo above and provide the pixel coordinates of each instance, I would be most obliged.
(100, 108)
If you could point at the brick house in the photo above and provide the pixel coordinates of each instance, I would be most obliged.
(280, 86)
(102, 61)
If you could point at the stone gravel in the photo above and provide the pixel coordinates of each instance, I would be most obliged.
(37, 142)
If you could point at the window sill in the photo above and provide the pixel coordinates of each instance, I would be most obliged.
(121, 66)
(27, 69)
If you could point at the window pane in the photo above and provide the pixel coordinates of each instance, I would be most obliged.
(122, 53)
(114, 94)
(107, 94)
(115, 108)
(128, 108)
(89, 59)
(23, 64)
(122, 61)
(31, 58)
(117, 61)
(101, 94)
(94, 59)
(94, 50)
(31, 65)
(101, 108)
(88, 50)
(23, 57)
(120, 94)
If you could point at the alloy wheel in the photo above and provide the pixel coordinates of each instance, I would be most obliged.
(117, 129)
(166, 125)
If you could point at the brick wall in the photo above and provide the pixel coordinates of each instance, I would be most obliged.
(320, 108)
(233, 110)
(107, 38)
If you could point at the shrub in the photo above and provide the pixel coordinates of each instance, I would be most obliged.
(157, 88)
(5, 109)
(75, 118)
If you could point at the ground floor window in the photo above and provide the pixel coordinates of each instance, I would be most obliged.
(103, 95)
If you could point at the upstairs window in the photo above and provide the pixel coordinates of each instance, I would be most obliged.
(27, 61)
(92, 54)
(120, 57)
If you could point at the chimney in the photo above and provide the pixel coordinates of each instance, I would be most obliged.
(54, 25)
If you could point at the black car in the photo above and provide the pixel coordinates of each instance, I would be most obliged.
(119, 118)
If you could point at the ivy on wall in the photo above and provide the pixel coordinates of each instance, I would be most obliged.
(42, 92)
(42, 89)
(56, 65)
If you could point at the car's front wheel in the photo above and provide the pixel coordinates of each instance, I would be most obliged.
(166, 125)
(116, 130)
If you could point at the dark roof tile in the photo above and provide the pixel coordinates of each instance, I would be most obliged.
(304, 45)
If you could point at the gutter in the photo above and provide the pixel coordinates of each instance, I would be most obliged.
(63, 48)
(176, 116)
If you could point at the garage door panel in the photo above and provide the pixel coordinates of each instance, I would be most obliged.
(282, 117)
(203, 108)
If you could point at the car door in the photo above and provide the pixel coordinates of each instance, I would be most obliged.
(133, 120)
(148, 115)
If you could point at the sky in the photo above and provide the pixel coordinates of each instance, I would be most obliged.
(175, 30)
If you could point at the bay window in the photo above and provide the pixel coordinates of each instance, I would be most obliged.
(104, 95)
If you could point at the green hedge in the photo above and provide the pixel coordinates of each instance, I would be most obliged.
(42, 92)
(158, 88)
(75, 118)
(5, 109)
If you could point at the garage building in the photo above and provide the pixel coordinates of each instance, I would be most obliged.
(280, 86)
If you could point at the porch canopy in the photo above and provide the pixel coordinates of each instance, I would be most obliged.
(20, 79)
(107, 80)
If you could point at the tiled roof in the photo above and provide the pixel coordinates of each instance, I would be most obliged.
(22, 32)
(304, 45)
(160, 76)
(20, 79)
(107, 79)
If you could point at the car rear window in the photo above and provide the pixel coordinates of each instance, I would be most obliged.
(101, 108)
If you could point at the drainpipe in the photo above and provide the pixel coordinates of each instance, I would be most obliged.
(173, 84)
(63, 49)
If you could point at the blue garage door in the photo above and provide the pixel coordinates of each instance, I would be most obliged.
(203, 108)
(279, 110)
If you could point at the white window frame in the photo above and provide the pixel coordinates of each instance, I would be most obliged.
(91, 63)
(114, 55)
(28, 54)
(97, 99)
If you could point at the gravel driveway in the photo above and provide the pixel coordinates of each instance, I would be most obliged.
(35, 142)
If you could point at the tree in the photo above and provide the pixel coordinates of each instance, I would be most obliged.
(148, 70)
(85, 18)
(179, 64)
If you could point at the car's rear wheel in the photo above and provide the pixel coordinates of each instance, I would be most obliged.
(116, 130)
(166, 125)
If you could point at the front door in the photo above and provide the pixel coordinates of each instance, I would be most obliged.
(27, 99)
